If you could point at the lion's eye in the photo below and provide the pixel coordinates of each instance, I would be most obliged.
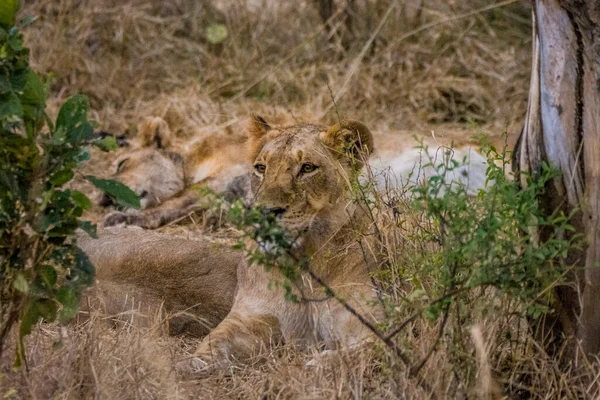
(307, 168)
(121, 164)
(260, 168)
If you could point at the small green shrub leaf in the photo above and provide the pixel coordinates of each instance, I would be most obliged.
(81, 200)
(108, 143)
(10, 106)
(73, 113)
(46, 309)
(8, 12)
(116, 190)
(83, 272)
(34, 92)
(48, 275)
(89, 228)
(20, 284)
(5, 85)
(216, 33)
(61, 177)
(67, 297)
(28, 20)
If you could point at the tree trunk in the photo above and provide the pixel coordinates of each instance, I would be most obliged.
(562, 128)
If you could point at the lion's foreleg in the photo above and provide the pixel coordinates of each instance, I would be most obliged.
(238, 338)
(153, 218)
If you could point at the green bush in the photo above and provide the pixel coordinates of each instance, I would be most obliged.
(42, 272)
(485, 242)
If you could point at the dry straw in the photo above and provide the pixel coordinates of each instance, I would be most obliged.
(401, 66)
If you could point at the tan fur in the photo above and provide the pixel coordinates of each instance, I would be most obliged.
(321, 213)
(154, 131)
(167, 177)
(139, 272)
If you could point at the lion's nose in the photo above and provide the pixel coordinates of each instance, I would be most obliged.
(277, 211)
(143, 194)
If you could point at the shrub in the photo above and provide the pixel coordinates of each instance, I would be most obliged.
(42, 272)
(467, 256)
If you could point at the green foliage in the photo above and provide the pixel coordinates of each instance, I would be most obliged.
(487, 242)
(116, 190)
(42, 272)
(216, 33)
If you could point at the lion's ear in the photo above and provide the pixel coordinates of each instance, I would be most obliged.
(256, 127)
(155, 132)
(351, 139)
(256, 130)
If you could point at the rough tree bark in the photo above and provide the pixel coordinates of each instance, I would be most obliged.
(562, 127)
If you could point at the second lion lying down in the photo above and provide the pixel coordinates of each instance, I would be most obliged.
(172, 181)
(303, 174)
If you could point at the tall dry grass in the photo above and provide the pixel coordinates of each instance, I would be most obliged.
(137, 57)
(403, 66)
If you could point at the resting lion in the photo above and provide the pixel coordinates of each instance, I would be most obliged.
(167, 180)
(170, 179)
(139, 272)
(303, 174)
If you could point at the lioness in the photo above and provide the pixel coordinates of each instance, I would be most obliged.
(139, 272)
(303, 174)
(168, 179)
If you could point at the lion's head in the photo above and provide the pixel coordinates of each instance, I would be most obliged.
(153, 170)
(303, 173)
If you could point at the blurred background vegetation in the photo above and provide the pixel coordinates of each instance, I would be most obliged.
(395, 64)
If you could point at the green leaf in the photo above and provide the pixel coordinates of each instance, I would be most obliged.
(116, 190)
(28, 319)
(10, 106)
(20, 283)
(81, 200)
(46, 309)
(48, 275)
(73, 113)
(15, 40)
(109, 143)
(83, 272)
(34, 93)
(18, 80)
(81, 134)
(69, 300)
(88, 227)
(32, 312)
(8, 12)
(82, 156)
(216, 33)
(5, 85)
(28, 20)
(61, 177)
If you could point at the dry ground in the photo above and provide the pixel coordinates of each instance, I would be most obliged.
(402, 67)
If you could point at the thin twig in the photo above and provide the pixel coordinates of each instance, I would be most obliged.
(362, 319)
(414, 370)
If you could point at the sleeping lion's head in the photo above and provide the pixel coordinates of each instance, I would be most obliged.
(303, 173)
(153, 170)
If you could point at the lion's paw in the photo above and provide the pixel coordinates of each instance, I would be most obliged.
(115, 218)
(191, 366)
(131, 217)
(318, 360)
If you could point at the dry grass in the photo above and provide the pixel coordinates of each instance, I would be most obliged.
(135, 58)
